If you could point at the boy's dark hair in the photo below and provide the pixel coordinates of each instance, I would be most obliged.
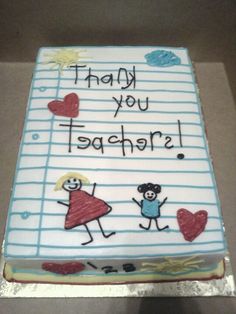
(156, 188)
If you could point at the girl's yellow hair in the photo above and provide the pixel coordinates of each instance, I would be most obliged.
(70, 175)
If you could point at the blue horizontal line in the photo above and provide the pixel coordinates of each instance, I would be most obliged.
(114, 70)
(109, 132)
(113, 145)
(113, 157)
(125, 111)
(99, 231)
(116, 245)
(109, 202)
(138, 216)
(126, 185)
(44, 97)
(111, 101)
(36, 214)
(150, 101)
(116, 62)
(168, 202)
(120, 256)
(121, 80)
(115, 122)
(39, 109)
(109, 216)
(128, 62)
(115, 169)
(118, 90)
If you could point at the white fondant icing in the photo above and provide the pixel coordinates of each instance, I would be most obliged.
(44, 158)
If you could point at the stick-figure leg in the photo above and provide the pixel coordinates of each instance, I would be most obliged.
(146, 228)
(103, 233)
(160, 229)
(91, 237)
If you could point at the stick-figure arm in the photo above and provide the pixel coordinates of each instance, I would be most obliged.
(62, 203)
(163, 202)
(139, 204)
(94, 187)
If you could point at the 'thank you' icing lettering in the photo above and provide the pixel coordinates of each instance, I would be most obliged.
(113, 169)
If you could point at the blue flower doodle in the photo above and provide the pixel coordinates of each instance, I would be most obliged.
(162, 58)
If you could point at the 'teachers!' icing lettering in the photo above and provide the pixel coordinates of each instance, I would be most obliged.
(153, 141)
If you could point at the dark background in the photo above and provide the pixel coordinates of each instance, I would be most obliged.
(207, 28)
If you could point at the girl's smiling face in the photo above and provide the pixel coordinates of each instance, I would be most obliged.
(72, 184)
(150, 195)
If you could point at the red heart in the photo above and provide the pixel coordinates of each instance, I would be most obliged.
(64, 269)
(69, 107)
(191, 225)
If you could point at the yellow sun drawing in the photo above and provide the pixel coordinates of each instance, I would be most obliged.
(65, 57)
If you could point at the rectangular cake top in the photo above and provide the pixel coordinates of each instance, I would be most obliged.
(113, 161)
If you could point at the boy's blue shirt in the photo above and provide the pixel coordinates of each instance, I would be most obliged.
(150, 208)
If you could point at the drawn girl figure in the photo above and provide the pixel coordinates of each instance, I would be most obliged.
(150, 205)
(83, 207)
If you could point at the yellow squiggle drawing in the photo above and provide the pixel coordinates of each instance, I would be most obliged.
(64, 58)
(174, 265)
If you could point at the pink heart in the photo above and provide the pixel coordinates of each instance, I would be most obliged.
(191, 225)
(68, 107)
(64, 269)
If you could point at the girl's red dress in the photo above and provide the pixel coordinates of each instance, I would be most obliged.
(84, 207)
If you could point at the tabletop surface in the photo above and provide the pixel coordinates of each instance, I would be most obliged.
(220, 118)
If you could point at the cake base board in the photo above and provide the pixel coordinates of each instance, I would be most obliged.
(189, 287)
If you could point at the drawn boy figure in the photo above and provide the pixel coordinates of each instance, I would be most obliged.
(83, 207)
(150, 205)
